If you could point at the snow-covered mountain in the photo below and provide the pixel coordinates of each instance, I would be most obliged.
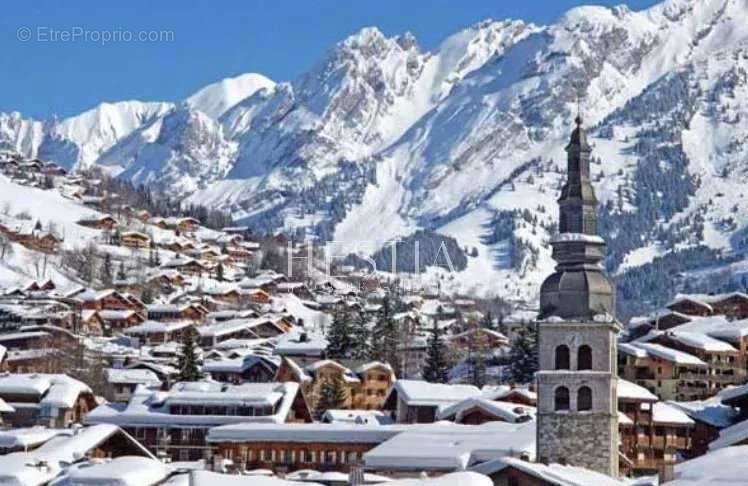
(381, 138)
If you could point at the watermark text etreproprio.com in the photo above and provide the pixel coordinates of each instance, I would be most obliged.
(98, 36)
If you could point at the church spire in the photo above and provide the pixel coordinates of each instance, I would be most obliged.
(579, 288)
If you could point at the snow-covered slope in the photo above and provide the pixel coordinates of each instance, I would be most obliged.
(216, 98)
(382, 137)
(22, 207)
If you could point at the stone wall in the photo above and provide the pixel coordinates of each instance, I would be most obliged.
(583, 440)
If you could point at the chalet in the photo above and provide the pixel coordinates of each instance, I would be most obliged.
(443, 448)
(487, 338)
(135, 239)
(726, 365)
(479, 410)
(710, 417)
(284, 448)
(104, 222)
(692, 306)
(90, 323)
(414, 402)
(176, 312)
(185, 265)
(245, 369)
(661, 320)
(519, 471)
(159, 332)
(303, 346)
(227, 294)
(118, 320)
(212, 334)
(44, 399)
(239, 254)
(121, 383)
(510, 394)
(182, 225)
(254, 296)
(668, 373)
(646, 442)
(176, 422)
(299, 289)
(40, 455)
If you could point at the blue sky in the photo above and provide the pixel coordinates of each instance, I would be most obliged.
(211, 40)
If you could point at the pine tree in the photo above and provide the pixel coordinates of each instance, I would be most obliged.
(219, 272)
(359, 337)
(339, 335)
(478, 347)
(106, 270)
(121, 272)
(436, 369)
(387, 338)
(146, 296)
(524, 355)
(332, 395)
(188, 366)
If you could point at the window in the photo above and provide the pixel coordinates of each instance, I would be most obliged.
(561, 398)
(562, 357)
(584, 358)
(584, 399)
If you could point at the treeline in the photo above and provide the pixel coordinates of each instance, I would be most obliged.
(142, 197)
(424, 248)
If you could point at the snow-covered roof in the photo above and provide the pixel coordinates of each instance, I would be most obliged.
(358, 417)
(306, 433)
(151, 327)
(731, 436)
(232, 326)
(555, 474)
(500, 392)
(631, 391)
(422, 393)
(700, 341)
(209, 478)
(127, 376)
(64, 447)
(710, 411)
(28, 436)
(55, 390)
(149, 407)
(451, 447)
(726, 466)
(510, 412)
(641, 349)
(121, 471)
(663, 413)
(299, 342)
(452, 479)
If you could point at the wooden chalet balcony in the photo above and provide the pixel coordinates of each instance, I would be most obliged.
(644, 441)
(648, 464)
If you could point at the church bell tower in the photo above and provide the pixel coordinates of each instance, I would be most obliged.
(577, 378)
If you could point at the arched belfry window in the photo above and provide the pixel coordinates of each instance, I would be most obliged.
(562, 357)
(584, 357)
(561, 398)
(584, 399)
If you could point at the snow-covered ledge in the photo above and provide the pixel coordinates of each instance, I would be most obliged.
(581, 237)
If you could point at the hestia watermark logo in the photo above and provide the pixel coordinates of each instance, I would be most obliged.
(78, 34)
(394, 257)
